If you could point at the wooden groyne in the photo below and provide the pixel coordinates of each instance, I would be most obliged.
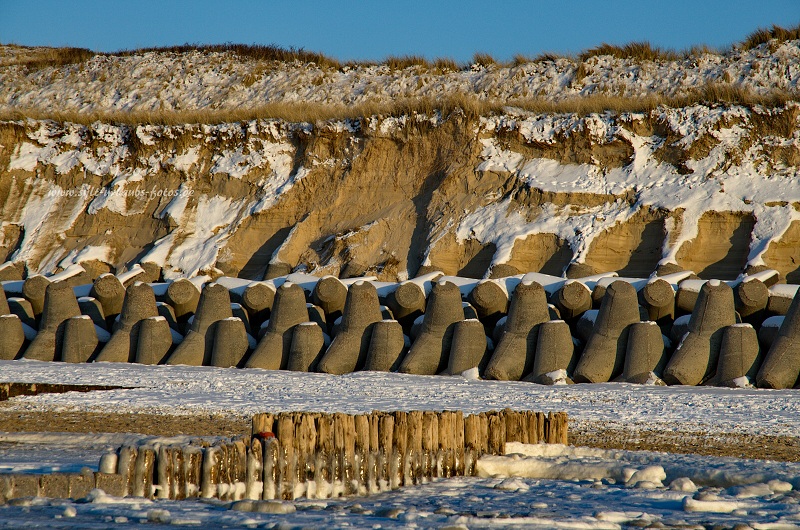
(318, 455)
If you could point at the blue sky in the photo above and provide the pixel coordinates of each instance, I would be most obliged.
(373, 29)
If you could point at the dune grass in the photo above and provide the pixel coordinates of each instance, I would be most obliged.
(468, 105)
(642, 51)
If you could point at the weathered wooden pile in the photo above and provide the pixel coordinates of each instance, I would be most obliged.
(304, 454)
(671, 328)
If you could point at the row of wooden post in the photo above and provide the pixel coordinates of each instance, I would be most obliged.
(318, 455)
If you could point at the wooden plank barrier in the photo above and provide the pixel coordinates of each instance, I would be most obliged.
(320, 455)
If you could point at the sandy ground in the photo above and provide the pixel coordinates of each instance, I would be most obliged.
(591, 434)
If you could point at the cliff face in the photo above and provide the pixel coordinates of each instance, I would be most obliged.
(713, 189)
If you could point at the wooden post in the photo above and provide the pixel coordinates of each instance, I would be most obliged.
(143, 473)
(374, 429)
(261, 423)
(414, 459)
(541, 419)
(126, 466)
(497, 434)
(430, 443)
(271, 469)
(193, 466)
(458, 443)
(400, 444)
(255, 464)
(164, 472)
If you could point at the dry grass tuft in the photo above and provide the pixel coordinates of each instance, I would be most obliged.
(641, 51)
(445, 64)
(406, 61)
(763, 35)
(483, 59)
(44, 57)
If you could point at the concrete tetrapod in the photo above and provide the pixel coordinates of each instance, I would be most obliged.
(386, 347)
(4, 309)
(288, 310)
(407, 302)
(92, 308)
(80, 340)
(739, 356)
(695, 359)
(431, 350)
(22, 308)
(572, 299)
(258, 298)
(489, 299)
(183, 296)
(331, 295)
(195, 350)
(12, 337)
(139, 304)
(308, 341)
(514, 355)
(555, 354)
(645, 358)
(658, 298)
(348, 351)
(154, 341)
(603, 358)
(781, 367)
(750, 299)
(59, 306)
(109, 291)
(469, 349)
(34, 289)
(230, 343)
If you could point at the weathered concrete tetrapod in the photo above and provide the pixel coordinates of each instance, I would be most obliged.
(230, 342)
(469, 349)
(348, 351)
(80, 340)
(258, 298)
(603, 358)
(750, 299)
(22, 308)
(109, 291)
(781, 366)
(12, 337)
(572, 299)
(195, 350)
(658, 297)
(695, 359)
(289, 309)
(739, 355)
(139, 304)
(92, 308)
(555, 353)
(645, 356)
(407, 302)
(308, 341)
(386, 347)
(331, 295)
(154, 340)
(183, 296)
(59, 306)
(514, 355)
(489, 299)
(34, 289)
(431, 350)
